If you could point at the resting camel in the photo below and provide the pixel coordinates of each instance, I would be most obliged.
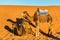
(19, 28)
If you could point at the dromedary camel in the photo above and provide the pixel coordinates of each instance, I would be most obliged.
(39, 16)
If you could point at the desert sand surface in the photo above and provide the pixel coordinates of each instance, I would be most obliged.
(13, 12)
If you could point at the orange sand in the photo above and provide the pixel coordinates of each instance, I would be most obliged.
(13, 12)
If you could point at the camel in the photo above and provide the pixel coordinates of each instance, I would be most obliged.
(39, 16)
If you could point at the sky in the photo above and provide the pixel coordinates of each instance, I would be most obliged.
(30, 2)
